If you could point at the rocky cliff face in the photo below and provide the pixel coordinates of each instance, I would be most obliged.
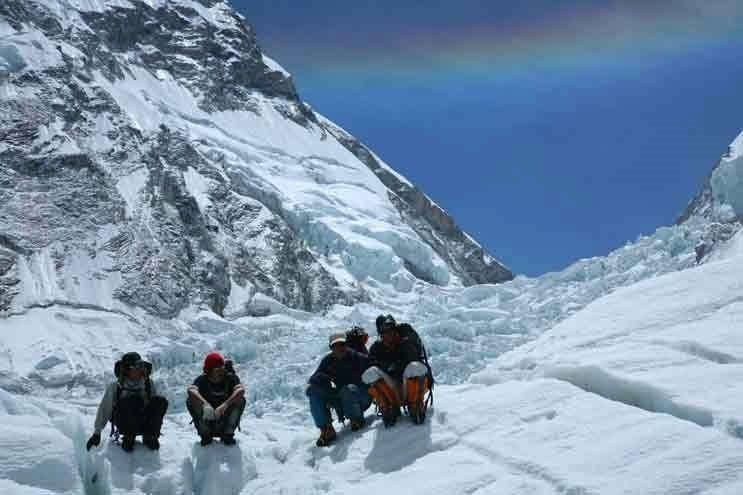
(152, 157)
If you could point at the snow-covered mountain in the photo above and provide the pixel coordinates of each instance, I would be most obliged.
(164, 189)
(153, 157)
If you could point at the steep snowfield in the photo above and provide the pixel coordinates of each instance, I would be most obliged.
(334, 201)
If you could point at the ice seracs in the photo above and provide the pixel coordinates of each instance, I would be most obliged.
(720, 196)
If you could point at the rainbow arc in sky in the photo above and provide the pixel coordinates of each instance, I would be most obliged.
(594, 35)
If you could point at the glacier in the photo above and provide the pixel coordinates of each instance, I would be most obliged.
(530, 370)
(634, 391)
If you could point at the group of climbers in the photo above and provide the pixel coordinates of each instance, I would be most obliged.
(134, 407)
(394, 374)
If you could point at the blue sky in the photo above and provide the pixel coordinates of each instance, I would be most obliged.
(551, 131)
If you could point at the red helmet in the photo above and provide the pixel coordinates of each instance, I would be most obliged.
(213, 360)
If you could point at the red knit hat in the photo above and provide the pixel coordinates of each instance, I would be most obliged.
(213, 360)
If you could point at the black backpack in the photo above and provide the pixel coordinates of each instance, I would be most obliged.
(118, 368)
(408, 333)
(229, 367)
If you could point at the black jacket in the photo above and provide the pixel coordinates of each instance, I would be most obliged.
(341, 372)
(216, 393)
(394, 361)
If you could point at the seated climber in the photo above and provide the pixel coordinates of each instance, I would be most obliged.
(132, 404)
(356, 339)
(216, 401)
(337, 384)
(400, 374)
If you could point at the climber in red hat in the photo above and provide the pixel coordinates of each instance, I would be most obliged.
(216, 400)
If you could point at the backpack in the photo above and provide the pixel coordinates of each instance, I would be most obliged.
(229, 367)
(119, 389)
(356, 339)
(407, 332)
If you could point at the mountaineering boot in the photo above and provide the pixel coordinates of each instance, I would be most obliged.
(386, 400)
(151, 442)
(127, 443)
(206, 440)
(228, 439)
(415, 391)
(327, 436)
(357, 424)
(390, 415)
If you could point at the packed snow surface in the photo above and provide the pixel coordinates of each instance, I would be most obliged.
(634, 392)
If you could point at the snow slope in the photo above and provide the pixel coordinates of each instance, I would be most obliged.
(672, 345)
(621, 396)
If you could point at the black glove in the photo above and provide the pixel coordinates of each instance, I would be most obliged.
(94, 440)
